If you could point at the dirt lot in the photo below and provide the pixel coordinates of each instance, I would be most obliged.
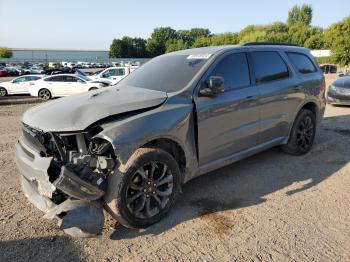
(269, 207)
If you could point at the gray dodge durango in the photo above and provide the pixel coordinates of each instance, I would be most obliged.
(128, 148)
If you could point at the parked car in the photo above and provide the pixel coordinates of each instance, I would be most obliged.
(339, 91)
(3, 72)
(64, 70)
(13, 71)
(329, 68)
(341, 74)
(129, 148)
(114, 74)
(34, 70)
(19, 85)
(62, 85)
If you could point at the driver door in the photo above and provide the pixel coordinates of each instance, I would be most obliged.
(228, 122)
(19, 85)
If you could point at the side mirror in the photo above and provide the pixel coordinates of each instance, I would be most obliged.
(214, 86)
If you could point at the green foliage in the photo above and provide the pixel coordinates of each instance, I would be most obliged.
(128, 47)
(297, 30)
(300, 15)
(326, 60)
(337, 38)
(175, 45)
(217, 39)
(5, 52)
(156, 45)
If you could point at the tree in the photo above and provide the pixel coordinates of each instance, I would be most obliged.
(128, 47)
(337, 38)
(190, 36)
(315, 39)
(300, 15)
(156, 44)
(175, 45)
(117, 49)
(202, 41)
(5, 52)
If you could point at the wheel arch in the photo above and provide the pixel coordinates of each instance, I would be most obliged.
(310, 105)
(171, 147)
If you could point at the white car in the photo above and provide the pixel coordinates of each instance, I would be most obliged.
(19, 85)
(115, 74)
(63, 85)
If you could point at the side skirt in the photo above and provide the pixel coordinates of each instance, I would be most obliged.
(238, 156)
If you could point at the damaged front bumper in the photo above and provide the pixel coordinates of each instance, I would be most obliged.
(80, 213)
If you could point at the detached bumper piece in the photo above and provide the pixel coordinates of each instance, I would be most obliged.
(77, 218)
(80, 214)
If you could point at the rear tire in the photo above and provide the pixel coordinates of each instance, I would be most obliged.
(44, 94)
(302, 135)
(93, 88)
(142, 191)
(3, 92)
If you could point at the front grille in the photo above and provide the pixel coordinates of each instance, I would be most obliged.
(33, 138)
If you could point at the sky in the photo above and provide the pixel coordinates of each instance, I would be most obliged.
(92, 24)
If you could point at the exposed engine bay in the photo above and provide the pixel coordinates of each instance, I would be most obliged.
(77, 173)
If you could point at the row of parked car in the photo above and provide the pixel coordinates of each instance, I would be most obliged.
(47, 69)
(63, 83)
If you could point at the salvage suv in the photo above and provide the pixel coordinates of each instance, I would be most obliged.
(129, 148)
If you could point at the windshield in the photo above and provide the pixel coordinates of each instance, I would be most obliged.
(167, 73)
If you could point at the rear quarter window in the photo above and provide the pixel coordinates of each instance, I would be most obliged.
(302, 63)
(268, 66)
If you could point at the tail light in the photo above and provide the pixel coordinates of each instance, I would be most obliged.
(323, 86)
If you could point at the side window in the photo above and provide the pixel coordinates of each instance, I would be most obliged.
(302, 63)
(70, 79)
(268, 66)
(54, 79)
(235, 71)
(19, 80)
(120, 72)
(33, 78)
(110, 72)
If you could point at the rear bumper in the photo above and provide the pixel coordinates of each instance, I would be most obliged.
(79, 218)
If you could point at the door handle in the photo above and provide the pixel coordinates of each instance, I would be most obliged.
(250, 98)
(297, 88)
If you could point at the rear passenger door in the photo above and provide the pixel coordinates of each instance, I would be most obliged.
(73, 85)
(56, 85)
(229, 122)
(279, 94)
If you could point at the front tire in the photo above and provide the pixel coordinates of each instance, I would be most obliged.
(44, 94)
(141, 192)
(302, 134)
(3, 92)
(93, 88)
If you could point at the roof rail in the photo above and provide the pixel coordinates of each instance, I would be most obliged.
(268, 43)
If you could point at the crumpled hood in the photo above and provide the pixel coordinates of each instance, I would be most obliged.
(75, 113)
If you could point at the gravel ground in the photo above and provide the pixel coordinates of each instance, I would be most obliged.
(269, 207)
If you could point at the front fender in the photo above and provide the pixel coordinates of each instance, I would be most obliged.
(174, 122)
